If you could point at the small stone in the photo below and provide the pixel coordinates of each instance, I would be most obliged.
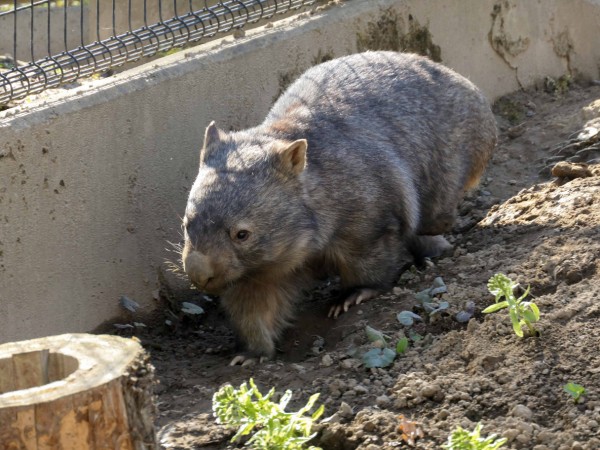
(525, 428)
(523, 439)
(300, 368)
(369, 427)
(430, 390)
(347, 363)
(576, 446)
(522, 412)
(383, 401)
(361, 390)
(399, 291)
(346, 410)
(443, 414)
(326, 361)
(350, 393)
(511, 434)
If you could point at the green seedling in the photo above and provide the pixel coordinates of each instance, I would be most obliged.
(521, 313)
(249, 410)
(407, 318)
(461, 439)
(374, 335)
(402, 345)
(381, 356)
(574, 390)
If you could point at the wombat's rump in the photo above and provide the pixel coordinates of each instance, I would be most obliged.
(362, 157)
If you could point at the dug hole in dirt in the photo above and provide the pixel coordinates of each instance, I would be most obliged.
(540, 230)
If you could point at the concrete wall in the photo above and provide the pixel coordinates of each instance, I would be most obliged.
(41, 37)
(92, 181)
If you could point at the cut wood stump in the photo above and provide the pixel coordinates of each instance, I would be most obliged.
(76, 392)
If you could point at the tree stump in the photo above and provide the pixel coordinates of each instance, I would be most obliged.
(76, 392)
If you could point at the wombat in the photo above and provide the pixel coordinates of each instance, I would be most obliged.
(362, 158)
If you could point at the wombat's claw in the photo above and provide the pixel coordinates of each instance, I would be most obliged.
(245, 361)
(354, 299)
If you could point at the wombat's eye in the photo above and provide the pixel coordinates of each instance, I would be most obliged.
(242, 235)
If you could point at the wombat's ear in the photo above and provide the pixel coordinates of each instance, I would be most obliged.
(292, 157)
(212, 136)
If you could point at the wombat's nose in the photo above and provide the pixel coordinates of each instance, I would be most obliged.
(198, 268)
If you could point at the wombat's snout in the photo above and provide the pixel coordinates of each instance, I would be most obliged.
(199, 269)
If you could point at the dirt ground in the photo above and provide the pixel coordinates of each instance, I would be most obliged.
(540, 230)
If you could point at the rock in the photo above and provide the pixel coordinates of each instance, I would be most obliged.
(564, 169)
(383, 401)
(300, 368)
(346, 410)
(511, 434)
(431, 391)
(369, 427)
(326, 361)
(545, 436)
(443, 414)
(361, 390)
(522, 412)
(348, 363)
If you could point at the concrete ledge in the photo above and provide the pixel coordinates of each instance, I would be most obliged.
(92, 180)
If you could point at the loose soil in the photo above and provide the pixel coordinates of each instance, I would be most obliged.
(540, 230)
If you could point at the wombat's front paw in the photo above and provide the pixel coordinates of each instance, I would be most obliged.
(247, 360)
(358, 296)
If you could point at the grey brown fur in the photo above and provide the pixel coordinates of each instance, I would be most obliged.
(362, 157)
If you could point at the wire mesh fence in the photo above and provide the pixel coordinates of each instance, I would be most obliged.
(63, 40)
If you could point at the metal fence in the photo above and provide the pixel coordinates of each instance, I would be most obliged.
(64, 40)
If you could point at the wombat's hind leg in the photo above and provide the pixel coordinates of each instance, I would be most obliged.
(358, 296)
(422, 247)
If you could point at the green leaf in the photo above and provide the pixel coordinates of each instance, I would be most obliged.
(522, 297)
(402, 345)
(495, 307)
(574, 390)
(529, 316)
(414, 336)
(374, 335)
(250, 410)
(438, 287)
(407, 318)
(424, 296)
(516, 323)
(535, 311)
(461, 439)
(379, 357)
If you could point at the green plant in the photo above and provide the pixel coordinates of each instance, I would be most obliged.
(461, 439)
(402, 345)
(248, 409)
(382, 356)
(574, 390)
(521, 312)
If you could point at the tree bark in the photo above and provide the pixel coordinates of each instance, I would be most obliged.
(76, 392)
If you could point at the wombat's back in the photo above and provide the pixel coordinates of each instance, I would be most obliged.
(396, 127)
